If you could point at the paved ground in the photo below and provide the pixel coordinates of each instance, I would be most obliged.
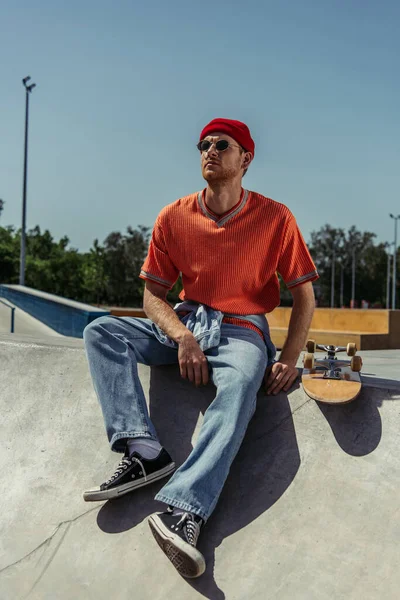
(310, 509)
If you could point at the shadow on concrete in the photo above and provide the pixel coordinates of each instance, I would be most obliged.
(262, 471)
(175, 406)
(357, 426)
(370, 380)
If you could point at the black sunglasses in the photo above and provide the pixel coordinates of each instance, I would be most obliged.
(221, 145)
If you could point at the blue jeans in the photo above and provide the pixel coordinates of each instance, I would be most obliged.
(115, 346)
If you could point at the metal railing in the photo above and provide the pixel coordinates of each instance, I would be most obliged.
(12, 314)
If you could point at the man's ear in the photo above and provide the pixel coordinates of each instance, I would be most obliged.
(247, 158)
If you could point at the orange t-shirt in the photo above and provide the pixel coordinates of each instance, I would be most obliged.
(229, 262)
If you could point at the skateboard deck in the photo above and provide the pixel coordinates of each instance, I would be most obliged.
(329, 379)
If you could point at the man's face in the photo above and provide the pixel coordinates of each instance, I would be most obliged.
(225, 165)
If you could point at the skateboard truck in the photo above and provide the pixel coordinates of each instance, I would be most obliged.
(331, 380)
(331, 350)
(331, 365)
(331, 370)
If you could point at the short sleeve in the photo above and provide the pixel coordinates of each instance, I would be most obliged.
(158, 266)
(295, 264)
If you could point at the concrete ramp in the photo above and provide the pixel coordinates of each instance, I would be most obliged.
(310, 509)
(24, 323)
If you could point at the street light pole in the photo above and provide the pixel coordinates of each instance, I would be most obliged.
(388, 282)
(28, 90)
(333, 279)
(341, 284)
(394, 261)
(353, 279)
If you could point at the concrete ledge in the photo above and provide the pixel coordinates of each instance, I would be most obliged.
(338, 319)
(308, 483)
(370, 329)
(363, 341)
(65, 316)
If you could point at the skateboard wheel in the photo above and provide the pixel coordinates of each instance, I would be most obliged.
(309, 360)
(356, 363)
(351, 349)
(310, 346)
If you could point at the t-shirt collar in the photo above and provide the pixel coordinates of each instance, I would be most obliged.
(222, 219)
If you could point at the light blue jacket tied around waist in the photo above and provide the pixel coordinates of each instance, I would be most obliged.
(205, 324)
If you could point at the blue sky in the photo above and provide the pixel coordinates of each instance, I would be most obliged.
(124, 88)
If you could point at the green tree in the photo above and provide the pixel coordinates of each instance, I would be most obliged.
(51, 266)
(124, 256)
(370, 274)
(94, 276)
(9, 255)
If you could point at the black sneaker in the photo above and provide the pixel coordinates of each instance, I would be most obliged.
(132, 472)
(177, 537)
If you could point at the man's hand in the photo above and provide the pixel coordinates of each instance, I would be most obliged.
(280, 376)
(192, 361)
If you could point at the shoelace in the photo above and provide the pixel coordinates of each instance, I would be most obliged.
(123, 465)
(192, 528)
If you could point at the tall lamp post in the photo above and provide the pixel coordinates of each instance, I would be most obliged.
(333, 278)
(341, 283)
(388, 275)
(388, 283)
(394, 261)
(28, 90)
(353, 278)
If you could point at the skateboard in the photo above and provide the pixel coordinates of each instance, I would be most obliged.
(330, 379)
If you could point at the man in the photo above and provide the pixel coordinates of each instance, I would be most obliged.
(228, 244)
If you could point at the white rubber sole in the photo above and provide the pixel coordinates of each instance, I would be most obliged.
(96, 494)
(187, 560)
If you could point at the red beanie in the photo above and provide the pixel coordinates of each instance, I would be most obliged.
(236, 129)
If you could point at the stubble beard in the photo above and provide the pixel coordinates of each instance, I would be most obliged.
(221, 176)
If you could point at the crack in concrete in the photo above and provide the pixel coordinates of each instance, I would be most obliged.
(292, 412)
(48, 563)
(277, 425)
(47, 540)
(70, 521)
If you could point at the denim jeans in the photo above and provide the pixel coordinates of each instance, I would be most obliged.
(114, 347)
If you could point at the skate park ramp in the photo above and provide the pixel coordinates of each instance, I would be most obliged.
(310, 509)
(24, 323)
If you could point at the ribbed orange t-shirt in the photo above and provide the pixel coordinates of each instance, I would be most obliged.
(229, 262)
